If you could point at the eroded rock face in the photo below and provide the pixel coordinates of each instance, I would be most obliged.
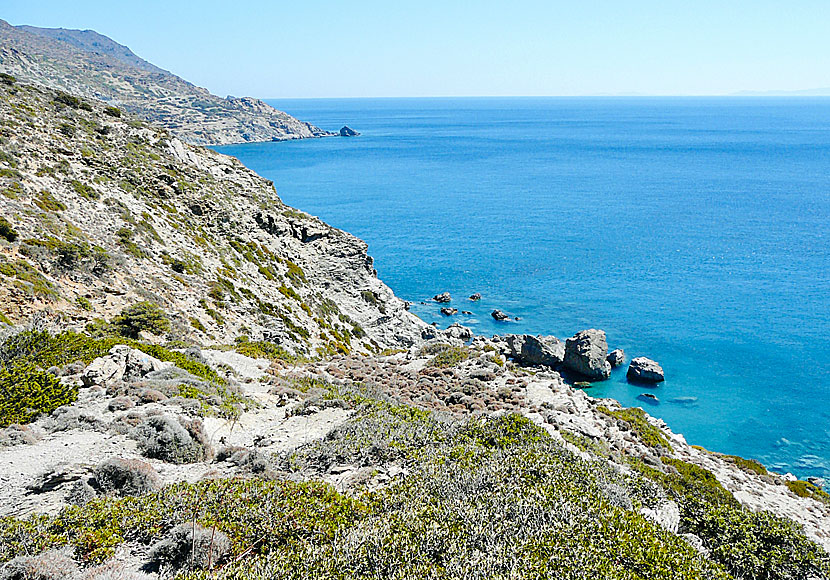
(531, 350)
(645, 370)
(458, 331)
(616, 357)
(121, 361)
(585, 354)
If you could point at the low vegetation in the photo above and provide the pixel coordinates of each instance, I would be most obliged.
(27, 391)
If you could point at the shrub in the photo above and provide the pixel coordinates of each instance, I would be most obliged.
(112, 111)
(7, 79)
(191, 546)
(6, 230)
(84, 190)
(636, 419)
(141, 316)
(126, 477)
(26, 392)
(29, 278)
(47, 202)
(51, 565)
(807, 489)
(163, 437)
(68, 100)
(445, 354)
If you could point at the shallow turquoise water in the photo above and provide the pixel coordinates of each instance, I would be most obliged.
(694, 231)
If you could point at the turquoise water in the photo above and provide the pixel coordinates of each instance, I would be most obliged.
(693, 231)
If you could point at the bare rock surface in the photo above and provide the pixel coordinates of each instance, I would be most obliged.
(645, 370)
(585, 354)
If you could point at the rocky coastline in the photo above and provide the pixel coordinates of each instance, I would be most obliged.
(200, 381)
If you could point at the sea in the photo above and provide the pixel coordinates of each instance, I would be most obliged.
(694, 231)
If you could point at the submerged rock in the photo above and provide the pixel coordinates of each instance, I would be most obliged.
(585, 354)
(616, 357)
(648, 397)
(475, 297)
(499, 315)
(347, 131)
(446, 311)
(645, 370)
(530, 350)
(442, 298)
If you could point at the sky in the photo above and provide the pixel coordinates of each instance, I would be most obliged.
(374, 48)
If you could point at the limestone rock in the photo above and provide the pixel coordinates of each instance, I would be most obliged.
(347, 131)
(442, 298)
(616, 357)
(458, 331)
(446, 311)
(122, 362)
(645, 370)
(585, 354)
(475, 297)
(531, 350)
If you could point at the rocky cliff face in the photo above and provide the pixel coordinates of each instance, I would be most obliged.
(86, 63)
(102, 210)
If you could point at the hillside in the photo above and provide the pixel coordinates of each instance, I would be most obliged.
(85, 63)
(109, 210)
(198, 381)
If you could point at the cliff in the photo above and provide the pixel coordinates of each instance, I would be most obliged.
(109, 211)
(88, 64)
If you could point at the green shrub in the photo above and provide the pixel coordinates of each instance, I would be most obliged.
(68, 100)
(112, 111)
(142, 316)
(7, 79)
(6, 230)
(645, 431)
(26, 392)
(84, 190)
(445, 355)
(807, 489)
(83, 303)
(47, 202)
(29, 278)
(749, 465)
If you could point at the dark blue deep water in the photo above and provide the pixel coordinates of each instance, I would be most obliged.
(693, 231)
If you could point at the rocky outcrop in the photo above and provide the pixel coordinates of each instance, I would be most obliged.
(121, 362)
(616, 358)
(645, 370)
(447, 311)
(459, 332)
(585, 355)
(442, 298)
(88, 64)
(347, 131)
(475, 297)
(529, 350)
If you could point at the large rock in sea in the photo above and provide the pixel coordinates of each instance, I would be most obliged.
(347, 131)
(645, 370)
(585, 354)
(499, 315)
(442, 298)
(530, 350)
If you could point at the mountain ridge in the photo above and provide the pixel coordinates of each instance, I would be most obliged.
(91, 65)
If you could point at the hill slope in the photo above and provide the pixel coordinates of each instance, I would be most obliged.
(109, 211)
(85, 63)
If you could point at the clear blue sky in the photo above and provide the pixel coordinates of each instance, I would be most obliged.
(354, 48)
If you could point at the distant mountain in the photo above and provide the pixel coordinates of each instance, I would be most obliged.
(88, 64)
(825, 92)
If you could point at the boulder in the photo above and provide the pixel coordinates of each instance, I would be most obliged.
(530, 350)
(447, 311)
(499, 315)
(585, 354)
(442, 298)
(121, 362)
(458, 331)
(645, 370)
(616, 357)
(475, 297)
(347, 131)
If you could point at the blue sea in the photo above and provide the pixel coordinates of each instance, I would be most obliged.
(694, 231)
